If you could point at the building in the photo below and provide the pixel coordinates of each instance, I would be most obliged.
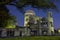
(12, 32)
(28, 15)
(33, 26)
(39, 25)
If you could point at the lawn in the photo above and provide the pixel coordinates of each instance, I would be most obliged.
(33, 38)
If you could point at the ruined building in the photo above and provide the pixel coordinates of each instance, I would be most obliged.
(33, 26)
(38, 25)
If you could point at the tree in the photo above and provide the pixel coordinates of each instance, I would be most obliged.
(4, 2)
(39, 4)
(5, 17)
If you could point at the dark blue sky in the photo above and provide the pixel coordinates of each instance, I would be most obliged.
(20, 17)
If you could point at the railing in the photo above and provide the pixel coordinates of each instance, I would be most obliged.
(20, 33)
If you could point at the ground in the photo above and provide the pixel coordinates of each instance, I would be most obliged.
(33, 38)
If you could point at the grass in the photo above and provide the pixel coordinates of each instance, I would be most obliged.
(33, 38)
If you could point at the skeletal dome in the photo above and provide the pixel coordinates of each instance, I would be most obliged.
(30, 12)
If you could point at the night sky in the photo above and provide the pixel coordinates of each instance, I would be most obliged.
(20, 17)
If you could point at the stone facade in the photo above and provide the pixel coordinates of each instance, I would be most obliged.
(13, 32)
(39, 25)
(33, 26)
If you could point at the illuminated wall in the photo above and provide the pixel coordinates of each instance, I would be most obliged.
(27, 16)
(50, 22)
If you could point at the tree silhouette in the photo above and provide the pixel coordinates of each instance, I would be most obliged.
(39, 4)
(5, 16)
